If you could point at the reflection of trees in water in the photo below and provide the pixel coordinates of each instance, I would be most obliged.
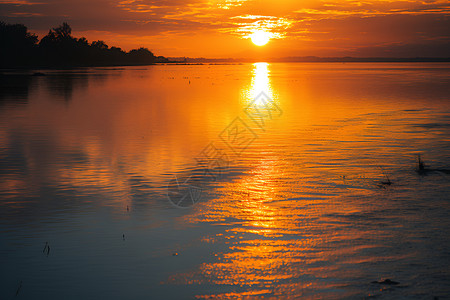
(14, 89)
(63, 84)
(30, 160)
(28, 168)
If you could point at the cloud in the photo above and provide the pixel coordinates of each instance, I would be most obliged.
(245, 25)
(328, 24)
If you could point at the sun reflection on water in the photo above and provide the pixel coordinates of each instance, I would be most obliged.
(260, 82)
(261, 223)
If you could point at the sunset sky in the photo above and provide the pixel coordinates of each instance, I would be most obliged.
(217, 29)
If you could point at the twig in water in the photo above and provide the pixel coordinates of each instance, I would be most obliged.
(18, 289)
(420, 164)
(387, 181)
(46, 248)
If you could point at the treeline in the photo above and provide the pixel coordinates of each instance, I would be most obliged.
(20, 48)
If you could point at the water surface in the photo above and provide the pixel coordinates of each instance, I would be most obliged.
(88, 159)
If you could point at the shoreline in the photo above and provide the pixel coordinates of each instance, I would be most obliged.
(207, 64)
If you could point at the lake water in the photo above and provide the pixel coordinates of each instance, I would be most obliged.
(117, 170)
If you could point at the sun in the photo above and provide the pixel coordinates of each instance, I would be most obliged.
(260, 37)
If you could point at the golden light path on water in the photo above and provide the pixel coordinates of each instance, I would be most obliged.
(280, 232)
(260, 83)
(270, 235)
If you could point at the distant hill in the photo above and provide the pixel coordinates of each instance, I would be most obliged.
(361, 59)
(314, 59)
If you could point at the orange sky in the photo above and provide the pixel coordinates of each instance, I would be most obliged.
(213, 29)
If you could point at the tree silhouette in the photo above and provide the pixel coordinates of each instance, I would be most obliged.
(63, 31)
(17, 45)
(19, 48)
(141, 54)
(100, 45)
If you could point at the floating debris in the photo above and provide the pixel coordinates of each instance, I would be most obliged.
(422, 169)
(386, 282)
(175, 254)
(123, 237)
